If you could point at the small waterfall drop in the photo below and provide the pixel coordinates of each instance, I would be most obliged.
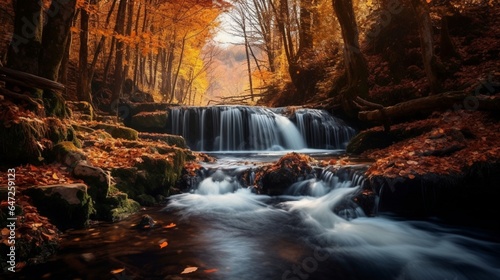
(246, 128)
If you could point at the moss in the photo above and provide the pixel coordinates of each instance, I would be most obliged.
(118, 131)
(54, 104)
(67, 206)
(146, 200)
(82, 107)
(19, 140)
(162, 173)
(150, 121)
(63, 149)
(127, 207)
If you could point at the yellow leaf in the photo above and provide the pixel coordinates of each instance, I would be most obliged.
(55, 176)
(116, 271)
(189, 270)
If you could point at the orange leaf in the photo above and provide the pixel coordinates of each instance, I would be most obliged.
(163, 244)
(116, 271)
(210, 270)
(189, 270)
(171, 225)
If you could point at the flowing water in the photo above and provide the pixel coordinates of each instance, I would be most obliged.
(246, 128)
(313, 231)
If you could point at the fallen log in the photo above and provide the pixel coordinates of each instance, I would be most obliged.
(415, 106)
(28, 80)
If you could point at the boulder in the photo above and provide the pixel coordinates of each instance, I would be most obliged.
(66, 205)
(118, 131)
(149, 121)
(277, 178)
(170, 139)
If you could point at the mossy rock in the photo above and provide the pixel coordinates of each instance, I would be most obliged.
(146, 200)
(118, 131)
(19, 140)
(161, 172)
(67, 153)
(82, 107)
(126, 181)
(67, 206)
(149, 121)
(170, 139)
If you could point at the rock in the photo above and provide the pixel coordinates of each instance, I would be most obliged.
(66, 205)
(146, 222)
(288, 170)
(149, 121)
(98, 180)
(170, 139)
(81, 108)
(118, 131)
(67, 153)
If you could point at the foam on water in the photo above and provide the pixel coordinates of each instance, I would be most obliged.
(379, 247)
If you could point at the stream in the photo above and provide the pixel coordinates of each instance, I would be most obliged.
(220, 229)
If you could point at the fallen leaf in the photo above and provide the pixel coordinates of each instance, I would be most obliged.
(189, 270)
(411, 176)
(5, 231)
(163, 244)
(55, 176)
(171, 225)
(116, 271)
(210, 270)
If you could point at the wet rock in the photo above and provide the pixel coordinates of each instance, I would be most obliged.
(290, 169)
(66, 205)
(146, 222)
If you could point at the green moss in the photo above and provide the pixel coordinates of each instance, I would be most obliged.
(67, 206)
(19, 140)
(150, 121)
(146, 200)
(162, 173)
(54, 104)
(118, 131)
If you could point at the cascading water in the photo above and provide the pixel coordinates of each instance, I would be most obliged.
(316, 231)
(245, 128)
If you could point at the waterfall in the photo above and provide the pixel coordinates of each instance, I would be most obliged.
(322, 130)
(247, 128)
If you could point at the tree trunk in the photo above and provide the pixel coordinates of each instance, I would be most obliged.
(247, 46)
(120, 30)
(25, 47)
(355, 64)
(55, 35)
(427, 43)
(83, 89)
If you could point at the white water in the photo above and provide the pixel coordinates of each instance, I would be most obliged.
(246, 128)
(254, 231)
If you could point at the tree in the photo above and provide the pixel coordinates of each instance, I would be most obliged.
(356, 69)
(38, 50)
